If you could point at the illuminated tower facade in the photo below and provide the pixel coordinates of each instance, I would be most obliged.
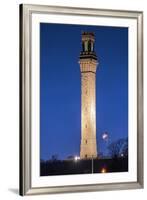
(88, 65)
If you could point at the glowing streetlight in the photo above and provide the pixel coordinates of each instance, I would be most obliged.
(103, 170)
(76, 158)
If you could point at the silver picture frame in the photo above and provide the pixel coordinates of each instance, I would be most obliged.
(25, 98)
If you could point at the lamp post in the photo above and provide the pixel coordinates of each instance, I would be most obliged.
(92, 164)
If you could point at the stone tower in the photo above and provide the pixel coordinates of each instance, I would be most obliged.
(88, 65)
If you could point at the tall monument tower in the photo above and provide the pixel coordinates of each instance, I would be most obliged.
(88, 65)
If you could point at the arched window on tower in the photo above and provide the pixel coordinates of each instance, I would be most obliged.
(82, 46)
(89, 45)
(86, 45)
(92, 46)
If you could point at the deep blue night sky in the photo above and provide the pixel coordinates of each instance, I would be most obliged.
(60, 87)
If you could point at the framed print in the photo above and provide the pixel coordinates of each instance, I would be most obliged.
(81, 99)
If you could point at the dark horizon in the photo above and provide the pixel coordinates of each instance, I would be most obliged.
(60, 87)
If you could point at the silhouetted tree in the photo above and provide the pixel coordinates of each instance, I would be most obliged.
(42, 161)
(54, 157)
(118, 148)
(100, 155)
(125, 148)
